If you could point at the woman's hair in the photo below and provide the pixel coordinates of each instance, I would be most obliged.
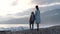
(37, 7)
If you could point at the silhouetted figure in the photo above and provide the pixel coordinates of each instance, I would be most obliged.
(31, 21)
(37, 16)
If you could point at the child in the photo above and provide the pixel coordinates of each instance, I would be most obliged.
(31, 21)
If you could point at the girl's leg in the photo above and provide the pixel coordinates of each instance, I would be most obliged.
(32, 26)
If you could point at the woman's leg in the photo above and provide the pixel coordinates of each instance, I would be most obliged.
(37, 26)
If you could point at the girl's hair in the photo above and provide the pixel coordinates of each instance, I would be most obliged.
(32, 12)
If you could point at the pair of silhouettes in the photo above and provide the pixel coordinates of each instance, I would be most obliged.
(35, 18)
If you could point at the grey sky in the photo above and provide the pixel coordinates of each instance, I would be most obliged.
(10, 17)
(45, 1)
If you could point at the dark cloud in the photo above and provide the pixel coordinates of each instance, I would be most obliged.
(47, 8)
(26, 12)
(24, 20)
(48, 17)
(51, 17)
(44, 1)
(42, 9)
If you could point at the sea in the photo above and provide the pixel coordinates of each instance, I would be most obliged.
(19, 27)
(25, 25)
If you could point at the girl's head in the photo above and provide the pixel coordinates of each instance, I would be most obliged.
(32, 12)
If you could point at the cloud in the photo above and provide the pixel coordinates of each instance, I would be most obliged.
(48, 17)
(51, 17)
(45, 1)
(42, 9)
(46, 8)
(12, 20)
(24, 20)
(26, 12)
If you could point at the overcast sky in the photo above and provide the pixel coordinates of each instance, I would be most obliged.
(9, 8)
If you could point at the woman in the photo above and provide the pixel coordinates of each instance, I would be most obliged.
(31, 21)
(37, 16)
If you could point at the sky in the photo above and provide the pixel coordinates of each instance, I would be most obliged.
(16, 9)
(13, 6)
(8, 8)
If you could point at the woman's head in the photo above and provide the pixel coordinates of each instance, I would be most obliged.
(37, 7)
